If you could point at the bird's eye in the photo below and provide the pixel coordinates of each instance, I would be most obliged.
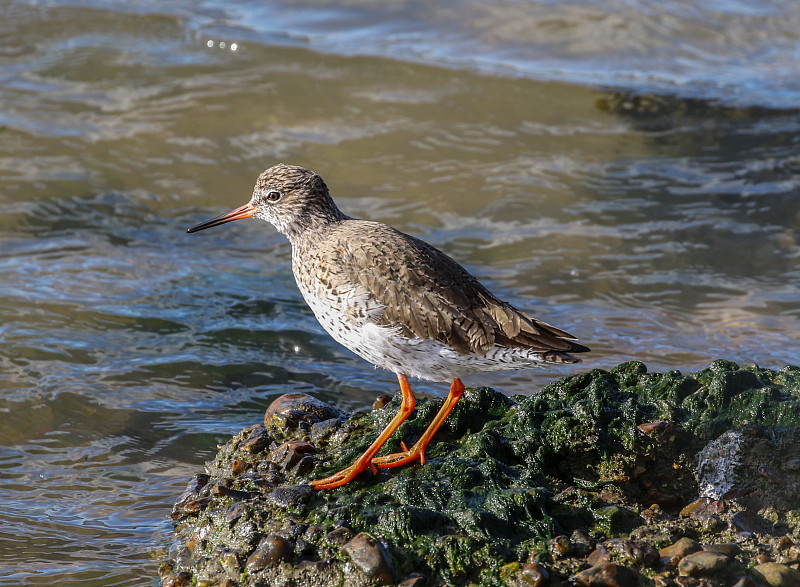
(274, 196)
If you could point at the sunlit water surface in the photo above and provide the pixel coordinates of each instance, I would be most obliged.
(662, 228)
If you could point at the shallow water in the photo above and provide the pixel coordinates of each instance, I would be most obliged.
(661, 227)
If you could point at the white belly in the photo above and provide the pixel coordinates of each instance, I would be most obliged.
(350, 318)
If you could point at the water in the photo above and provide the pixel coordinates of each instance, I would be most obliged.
(662, 228)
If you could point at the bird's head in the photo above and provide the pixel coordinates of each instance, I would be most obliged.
(291, 198)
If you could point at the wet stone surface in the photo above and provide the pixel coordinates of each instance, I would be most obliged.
(597, 479)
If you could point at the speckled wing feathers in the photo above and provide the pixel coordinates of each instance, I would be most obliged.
(429, 295)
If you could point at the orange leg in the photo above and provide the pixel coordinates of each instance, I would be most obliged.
(418, 450)
(365, 461)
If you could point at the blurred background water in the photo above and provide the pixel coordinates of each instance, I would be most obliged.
(625, 170)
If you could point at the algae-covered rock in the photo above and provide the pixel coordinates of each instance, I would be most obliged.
(594, 469)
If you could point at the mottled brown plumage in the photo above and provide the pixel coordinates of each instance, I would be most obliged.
(395, 300)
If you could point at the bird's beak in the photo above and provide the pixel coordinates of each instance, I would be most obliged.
(245, 211)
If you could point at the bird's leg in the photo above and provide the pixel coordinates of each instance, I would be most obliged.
(418, 450)
(365, 460)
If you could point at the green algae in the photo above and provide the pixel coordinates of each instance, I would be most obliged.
(505, 475)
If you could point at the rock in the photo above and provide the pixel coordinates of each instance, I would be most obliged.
(599, 555)
(535, 574)
(659, 428)
(605, 575)
(502, 478)
(271, 550)
(702, 563)
(257, 441)
(339, 536)
(582, 543)
(170, 579)
(629, 553)
(729, 549)
(413, 580)
(368, 554)
(230, 561)
(784, 543)
(680, 549)
(296, 410)
(288, 495)
(744, 582)
(560, 546)
(189, 508)
(381, 401)
(236, 512)
(745, 521)
(322, 430)
(238, 467)
(776, 575)
(717, 465)
(289, 454)
(226, 491)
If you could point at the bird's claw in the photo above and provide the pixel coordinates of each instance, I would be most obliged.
(344, 476)
(399, 459)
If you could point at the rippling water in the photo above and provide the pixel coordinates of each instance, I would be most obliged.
(628, 171)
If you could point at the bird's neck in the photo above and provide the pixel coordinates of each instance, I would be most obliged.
(316, 224)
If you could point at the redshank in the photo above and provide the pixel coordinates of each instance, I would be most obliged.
(396, 301)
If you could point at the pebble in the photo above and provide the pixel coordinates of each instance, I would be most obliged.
(271, 550)
(745, 521)
(776, 575)
(339, 536)
(182, 579)
(560, 546)
(698, 507)
(605, 575)
(225, 491)
(237, 511)
(381, 401)
(190, 507)
(324, 429)
(368, 554)
(291, 453)
(256, 441)
(658, 428)
(230, 561)
(313, 533)
(238, 466)
(628, 552)
(535, 574)
(413, 580)
(729, 549)
(582, 543)
(296, 410)
(256, 480)
(288, 495)
(599, 555)
(702, 563)
(680, 549)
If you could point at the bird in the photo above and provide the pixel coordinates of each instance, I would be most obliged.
(397, 302)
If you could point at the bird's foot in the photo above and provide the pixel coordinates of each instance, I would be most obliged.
(344, 476)
(398, 459)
